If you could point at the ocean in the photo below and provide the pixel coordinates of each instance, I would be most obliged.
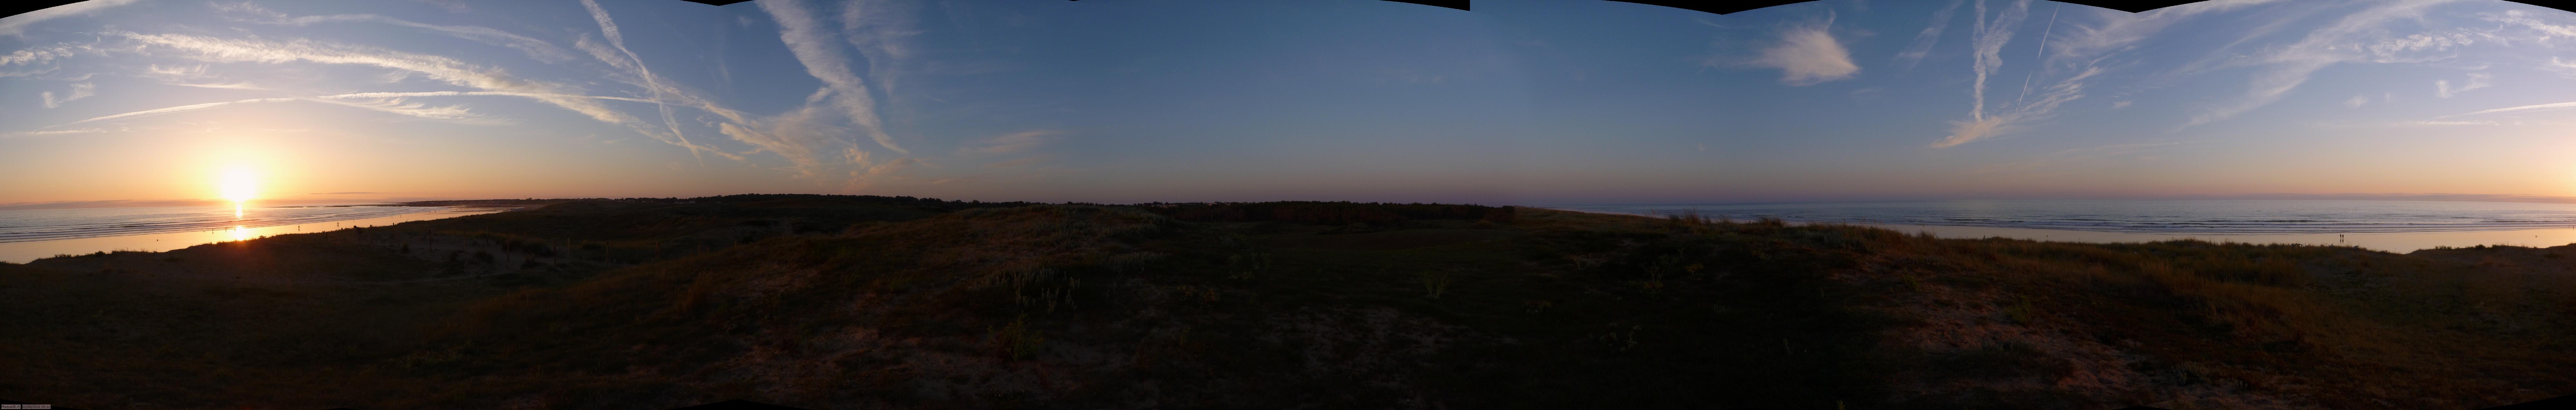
(2397, 226)
(54, 224)
(30, 234)
(2202, 217)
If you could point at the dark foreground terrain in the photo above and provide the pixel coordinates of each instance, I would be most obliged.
(843, 302)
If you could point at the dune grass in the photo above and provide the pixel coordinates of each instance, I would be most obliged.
(885, 302)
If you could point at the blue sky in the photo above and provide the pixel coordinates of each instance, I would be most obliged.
(1520, 102)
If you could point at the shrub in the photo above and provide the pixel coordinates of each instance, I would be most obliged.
(1017, 341)
(2020, 312)
(1435, 282)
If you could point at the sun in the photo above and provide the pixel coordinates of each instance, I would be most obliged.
(239, 184)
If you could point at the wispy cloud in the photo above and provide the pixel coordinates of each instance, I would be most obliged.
(2442, 88)
(805, 137)
(2356, 101)
(183, 108)
(1807, 55)
(15, 25)
(2075, 66)
(802, 137)
(438, 68)
(2451, 125)
(46, 54)
(390, 102)
(194, 72)
(821, 55)
(434, 67)
(608, 29)
(192, 76)
(2517, 17)
(2016, 119)
(877, 28)
(2564, 68)
(79, 91)
(236, 85)
(1986, 47)
(388, 105)
(1931, 34)
(473, 93)
(2525, 108)
(2121, 29)
(2288, 67)
(7, 74)
(537, 49)
(897, 170)
(421, 110)
(663, 89)
(1988, 44)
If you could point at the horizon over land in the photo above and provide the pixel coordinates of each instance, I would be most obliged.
(2489, 225)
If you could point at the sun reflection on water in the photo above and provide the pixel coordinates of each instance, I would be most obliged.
(240, 233)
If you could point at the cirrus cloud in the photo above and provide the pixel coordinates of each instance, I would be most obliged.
(1808, 55)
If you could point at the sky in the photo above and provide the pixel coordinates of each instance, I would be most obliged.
(1528, 102)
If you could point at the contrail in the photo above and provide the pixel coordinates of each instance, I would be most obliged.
(2039, 58)
(468, 93)
(194, 107)
(608, 28)
(180, 108)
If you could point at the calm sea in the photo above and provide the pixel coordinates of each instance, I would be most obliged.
(59, 224)
(2193, 217)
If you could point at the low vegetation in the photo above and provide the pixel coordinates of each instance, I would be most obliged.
(832, 302)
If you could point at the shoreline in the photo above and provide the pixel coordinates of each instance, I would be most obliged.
(2393, 242)
(23, 252)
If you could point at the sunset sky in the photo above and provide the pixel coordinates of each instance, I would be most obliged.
(1556, 102)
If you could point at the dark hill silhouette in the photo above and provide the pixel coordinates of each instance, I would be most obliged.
(839, 302)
